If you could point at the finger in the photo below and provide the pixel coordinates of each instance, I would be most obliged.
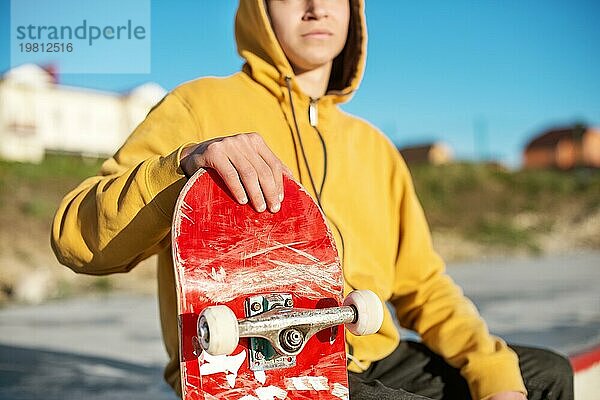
(230, 176)
(249, 177)
(287, 172)
(277, 167)
(267, 178)
(251, 145)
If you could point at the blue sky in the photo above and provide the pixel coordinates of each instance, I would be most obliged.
(483, 76)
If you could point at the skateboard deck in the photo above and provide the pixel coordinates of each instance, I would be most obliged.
(228, 254)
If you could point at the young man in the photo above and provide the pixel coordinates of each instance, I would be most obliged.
(279, 115)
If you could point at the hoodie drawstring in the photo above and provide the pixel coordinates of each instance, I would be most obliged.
(312, 182)
(310, 177)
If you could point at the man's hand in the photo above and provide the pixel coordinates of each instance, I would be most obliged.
(508, 396)
(246, 164)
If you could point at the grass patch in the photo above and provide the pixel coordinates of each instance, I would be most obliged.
(37, 208)
(480, 202)
(503, 233)
(53, 166)
(102, 284)
(484, 204)
(33, 191)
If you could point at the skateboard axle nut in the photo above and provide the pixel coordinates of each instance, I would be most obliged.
(256, 306)
(291, 339)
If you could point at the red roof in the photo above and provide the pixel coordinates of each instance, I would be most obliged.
(551, 137)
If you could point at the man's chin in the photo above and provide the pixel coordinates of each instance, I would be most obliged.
(316, 62)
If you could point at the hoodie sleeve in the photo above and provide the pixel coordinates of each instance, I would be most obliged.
(429, 302)
(112, 221)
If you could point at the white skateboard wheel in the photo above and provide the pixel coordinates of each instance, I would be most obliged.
(369, 310)
(218, 331)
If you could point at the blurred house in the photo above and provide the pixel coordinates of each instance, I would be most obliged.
(37, 114)
(431, 153)
(564, 148)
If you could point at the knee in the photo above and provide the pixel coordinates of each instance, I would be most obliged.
(546, 369)
(557, 366)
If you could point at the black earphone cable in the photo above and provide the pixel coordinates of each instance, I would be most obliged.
(318, 193)
(310, 177)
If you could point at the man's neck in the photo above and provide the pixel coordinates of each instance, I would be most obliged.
(314, 82)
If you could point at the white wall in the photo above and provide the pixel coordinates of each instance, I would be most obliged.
(38, 115)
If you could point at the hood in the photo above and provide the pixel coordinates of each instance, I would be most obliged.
(267, 64)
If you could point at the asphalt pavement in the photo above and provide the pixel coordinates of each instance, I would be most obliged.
(551, 301)
(110, 347)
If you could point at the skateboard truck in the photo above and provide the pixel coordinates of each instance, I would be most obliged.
(285, 329)
(262, 354)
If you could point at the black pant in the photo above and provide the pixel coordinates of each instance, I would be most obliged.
(413, 372)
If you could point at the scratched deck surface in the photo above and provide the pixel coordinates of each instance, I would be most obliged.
(224, 253)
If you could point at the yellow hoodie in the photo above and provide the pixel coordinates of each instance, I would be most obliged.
(116, 219)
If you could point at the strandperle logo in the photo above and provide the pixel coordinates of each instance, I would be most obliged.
(85, 31)
(82, 36)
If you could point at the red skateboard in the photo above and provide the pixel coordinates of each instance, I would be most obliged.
(260, 298)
